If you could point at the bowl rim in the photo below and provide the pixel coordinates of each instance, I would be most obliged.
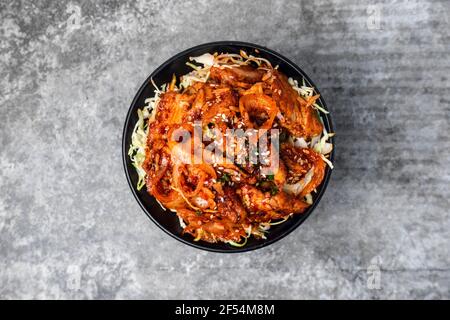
(125, 146)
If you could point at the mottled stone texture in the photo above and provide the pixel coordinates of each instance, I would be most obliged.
(70, 227)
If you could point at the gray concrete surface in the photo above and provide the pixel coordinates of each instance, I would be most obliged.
(70, 227)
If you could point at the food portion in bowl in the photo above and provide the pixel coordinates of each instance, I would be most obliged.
(233, 147)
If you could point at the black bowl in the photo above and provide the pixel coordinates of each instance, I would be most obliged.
(168, 220)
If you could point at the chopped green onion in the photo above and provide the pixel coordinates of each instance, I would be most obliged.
(274, 190)
(225, 178)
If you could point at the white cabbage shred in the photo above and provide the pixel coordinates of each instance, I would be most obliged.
(138, 145)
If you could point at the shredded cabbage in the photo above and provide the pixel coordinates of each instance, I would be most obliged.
(306, 92)
(249, 232)
(236, 244)
(138, 145)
